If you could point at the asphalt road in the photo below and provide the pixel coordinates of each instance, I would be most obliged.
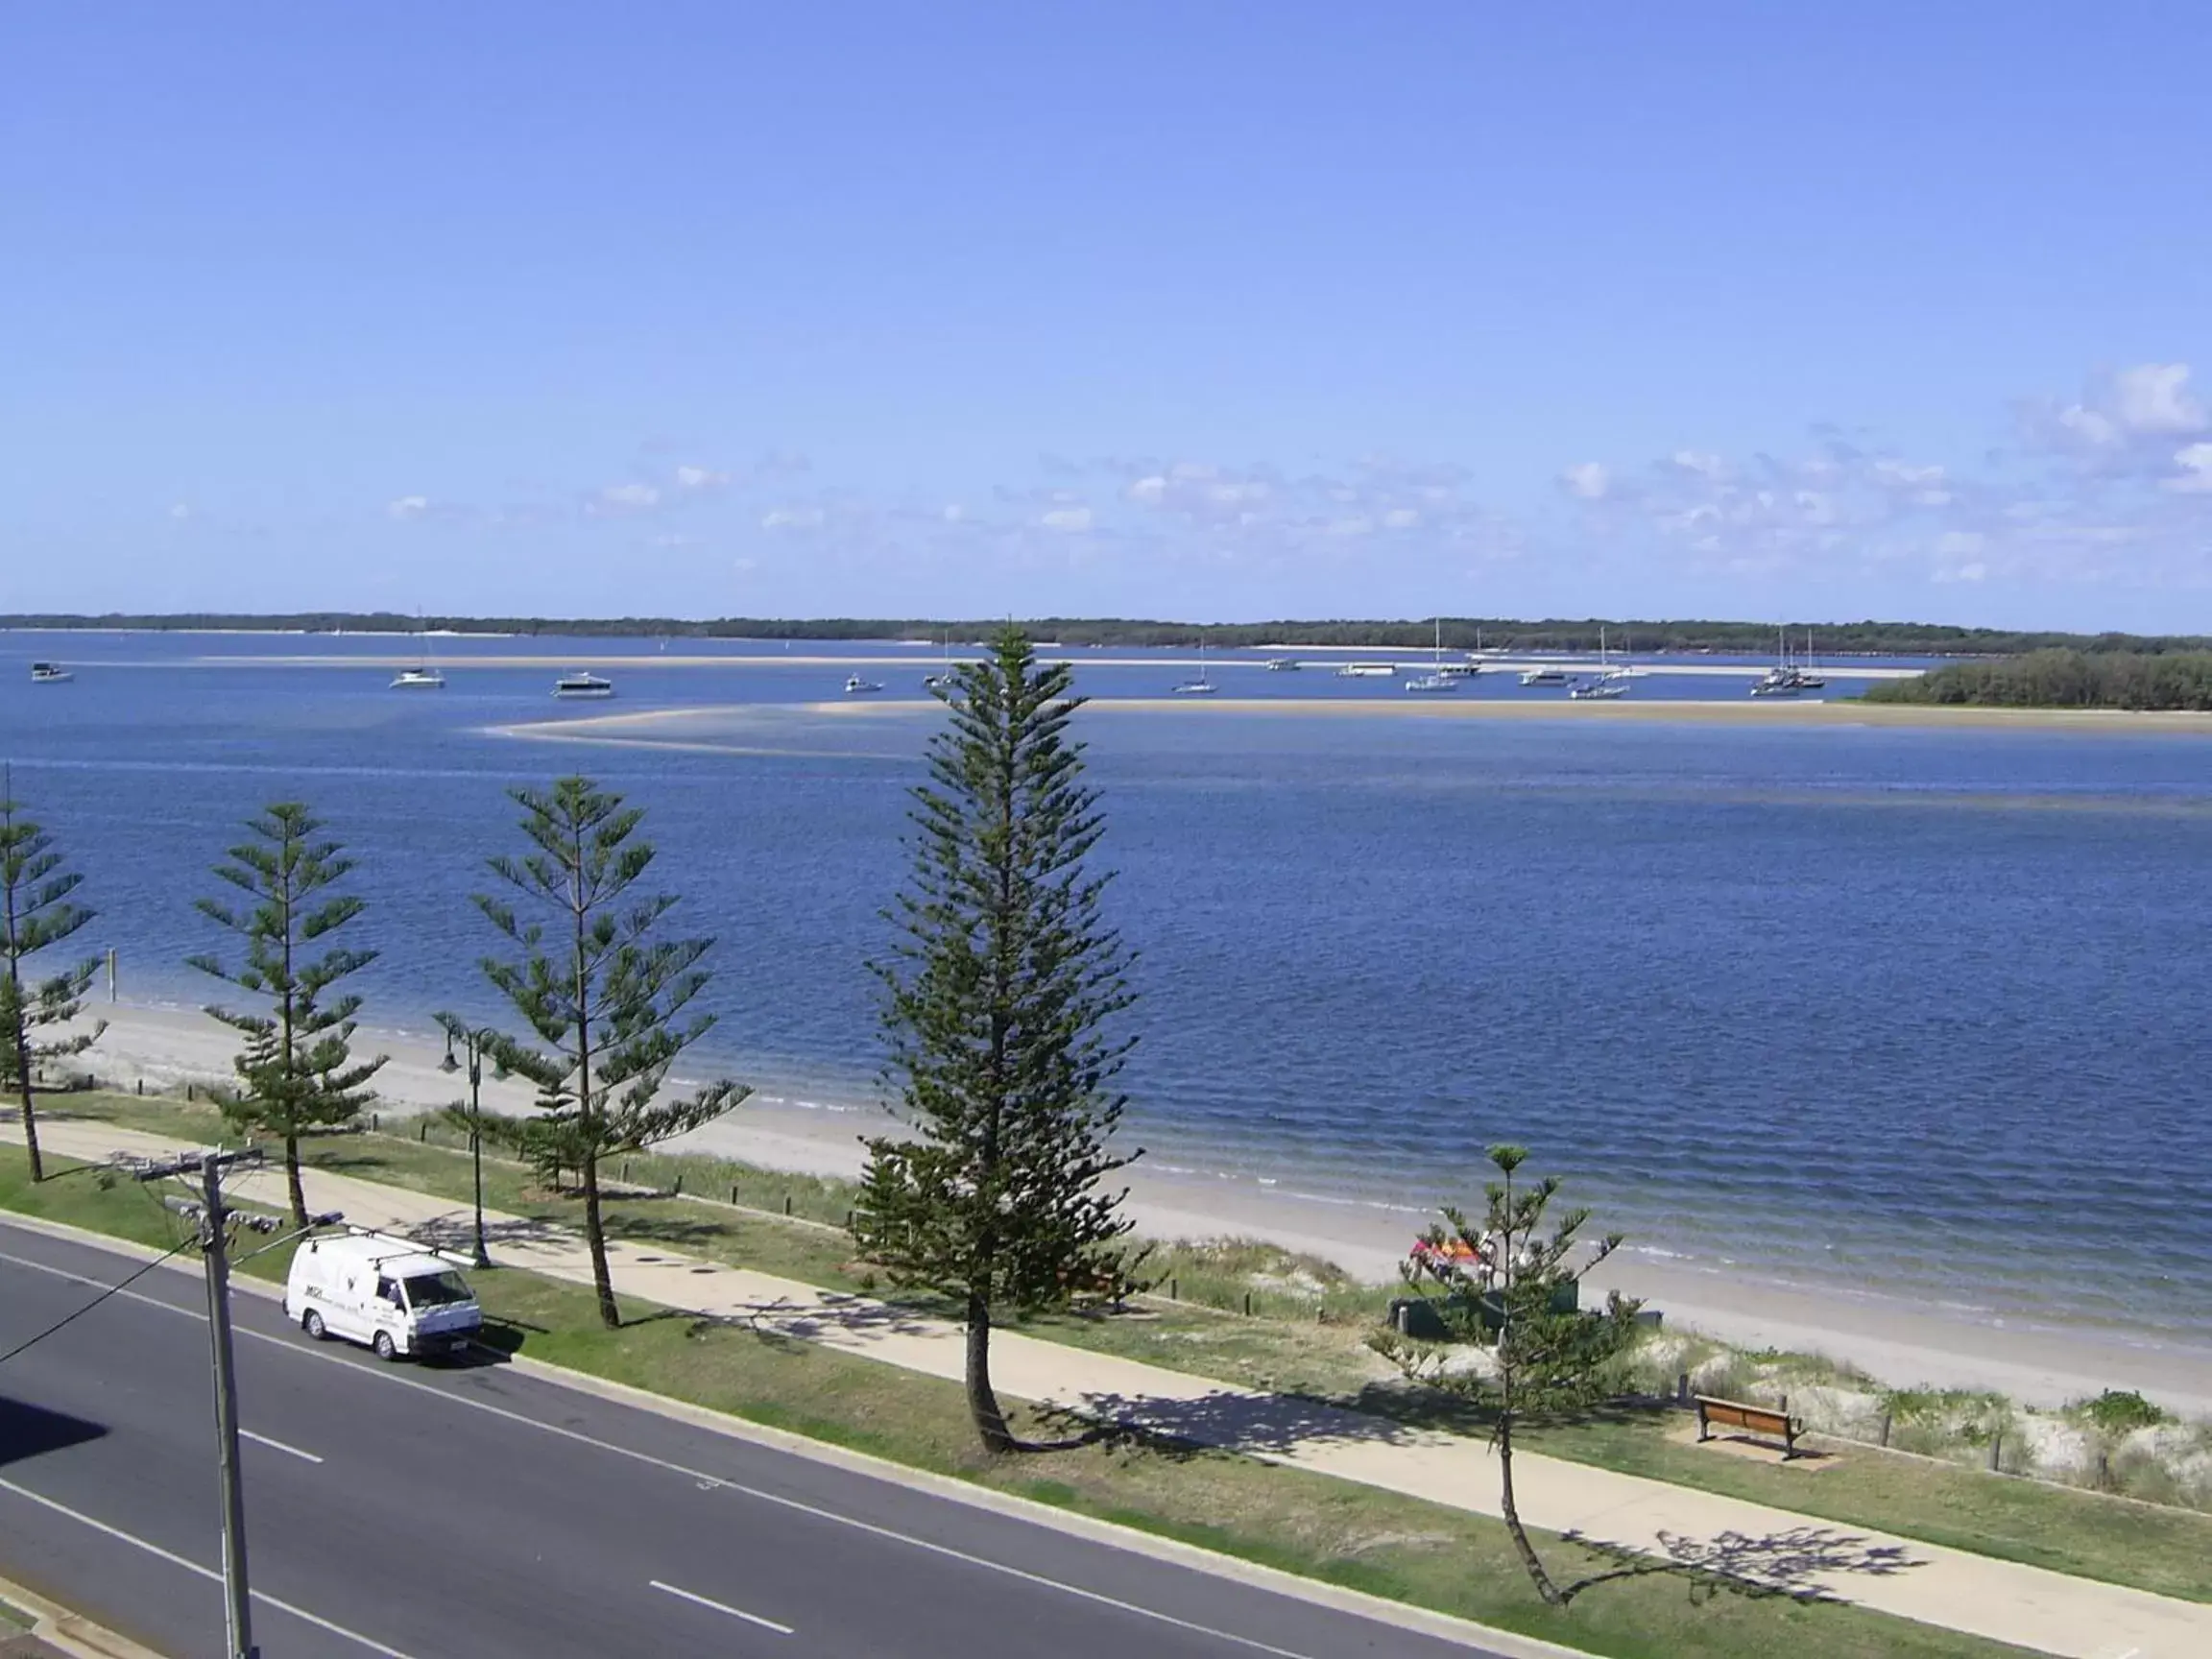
(413, 1511)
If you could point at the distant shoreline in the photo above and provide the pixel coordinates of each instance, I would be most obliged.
(1828, 640)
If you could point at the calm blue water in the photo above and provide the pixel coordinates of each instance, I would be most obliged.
(1910, 1009)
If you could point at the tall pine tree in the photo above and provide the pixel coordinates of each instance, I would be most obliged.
(296, 1068)
(998, 999)
(608, 1002)
(36, 910)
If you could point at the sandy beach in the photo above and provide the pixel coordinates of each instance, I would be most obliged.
(1899, 1342)
(695, 725)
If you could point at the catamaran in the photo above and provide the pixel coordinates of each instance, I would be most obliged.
(49, 674)
(583, 685)
(421, 676)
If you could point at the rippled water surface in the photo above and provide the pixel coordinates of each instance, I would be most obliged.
(1916, 1009)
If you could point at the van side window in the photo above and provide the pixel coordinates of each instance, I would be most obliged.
(388, 1290)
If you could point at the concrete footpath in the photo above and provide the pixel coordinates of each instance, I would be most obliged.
(2028, 1606)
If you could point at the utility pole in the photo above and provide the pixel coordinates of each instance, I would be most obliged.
(214, 1222)
(238, 1601)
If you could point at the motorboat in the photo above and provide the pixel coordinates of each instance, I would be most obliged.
(49, 674)
(1368, 671)
(1432, 683)
(418, 680)
(1777, 682)
(1602, 689)
(583, 685)
(855, 686)
(1546, 677)
(1284, 665)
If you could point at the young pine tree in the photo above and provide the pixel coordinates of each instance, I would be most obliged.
(997, 998)
(37, 911)
(296, 1068)
(1547, 1357)
(606, 1000)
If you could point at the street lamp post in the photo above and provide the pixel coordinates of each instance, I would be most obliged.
(474, 1042)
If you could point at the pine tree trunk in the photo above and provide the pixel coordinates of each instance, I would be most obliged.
(1527, 1551)
(982, 1401)
(30, 1114)
(596, 1236)
(291, 1180)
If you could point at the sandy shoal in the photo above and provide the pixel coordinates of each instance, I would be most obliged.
(1898, 1341)
(643, 723)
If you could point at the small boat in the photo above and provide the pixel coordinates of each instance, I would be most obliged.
(49, 674)
(1777, 683)
(855, 686)
(1459, 670)
(1432, 683)
(1284, 665)
(943, 680)
(1443, 676)
(418, 680)
(1545, 677)
(1201, 686)
(1600, 690)
(1368, 671)
(583, 685)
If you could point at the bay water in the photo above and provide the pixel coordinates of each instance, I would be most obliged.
(1916, 1010)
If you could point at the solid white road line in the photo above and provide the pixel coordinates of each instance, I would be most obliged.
(278, 1446)
(176, 1560)
(290, 1345)
(724, 1607)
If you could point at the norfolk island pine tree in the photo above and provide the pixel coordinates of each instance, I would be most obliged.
(606, 1004)
(296, 1067)
(37, 910)
(998, 1000)
(1548, 1358)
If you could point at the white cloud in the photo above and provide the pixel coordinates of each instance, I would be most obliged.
(407, 507)
(1151, 490)
(954, 512)
(629, 497)
(700, 478)
(1401, 519)
(2195, 477)
(2153, 398)
(180, 510)
(793, 519)
(1068, 520)
(676, 539)
(1589, 480)
(1700, 462)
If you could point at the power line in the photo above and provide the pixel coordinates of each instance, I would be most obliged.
(111, 1291)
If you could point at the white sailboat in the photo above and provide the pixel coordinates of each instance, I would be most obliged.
(1436, 679)
(1200, 686)
(421, 676)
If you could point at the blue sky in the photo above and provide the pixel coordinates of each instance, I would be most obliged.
(1216, 310)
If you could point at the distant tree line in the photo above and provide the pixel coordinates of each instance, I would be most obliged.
(2136, 680)
(1460, 632)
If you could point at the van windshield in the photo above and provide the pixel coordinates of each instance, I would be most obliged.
(436, 1290)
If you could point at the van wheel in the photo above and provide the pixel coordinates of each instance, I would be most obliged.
(312, 1324)
(384, 1346)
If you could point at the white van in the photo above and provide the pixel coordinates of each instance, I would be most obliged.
(394, 1294)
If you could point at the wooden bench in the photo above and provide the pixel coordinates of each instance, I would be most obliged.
(1751, 1419)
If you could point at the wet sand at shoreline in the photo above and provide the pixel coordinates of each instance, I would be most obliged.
(1899, 1342)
